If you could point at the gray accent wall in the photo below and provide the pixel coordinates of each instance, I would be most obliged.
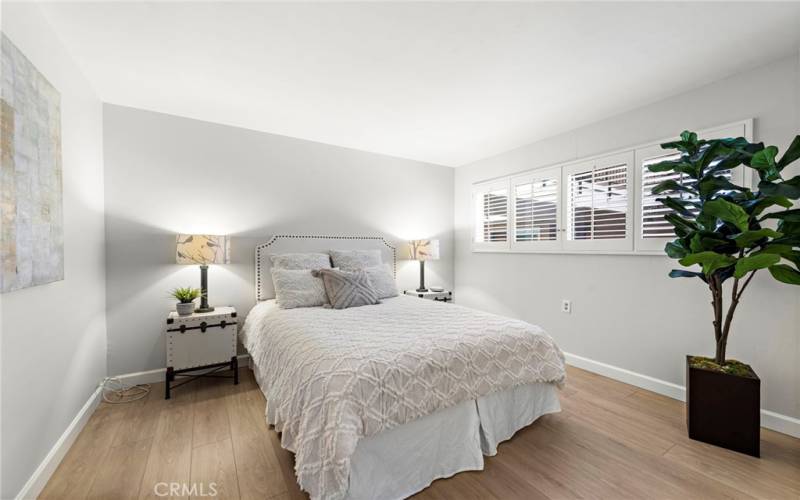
(168, 175)
(54, 335)
(626, 312)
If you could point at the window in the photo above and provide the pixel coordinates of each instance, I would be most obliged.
(652, 220)
(491, 215)
(653, 232)
(537, 211)
(598, 204)
(601, 204)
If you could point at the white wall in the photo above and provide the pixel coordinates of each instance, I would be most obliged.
(166, 175)
(626, 311)
(54, 336)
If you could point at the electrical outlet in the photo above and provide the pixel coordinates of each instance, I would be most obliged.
(566, 306)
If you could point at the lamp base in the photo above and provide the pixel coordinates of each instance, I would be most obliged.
(422, 290)
(204, 307)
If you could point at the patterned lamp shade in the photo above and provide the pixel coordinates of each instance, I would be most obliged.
(424, 249)
(202, 249)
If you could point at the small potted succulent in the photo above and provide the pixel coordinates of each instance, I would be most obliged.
(732, 232)
(185, 297)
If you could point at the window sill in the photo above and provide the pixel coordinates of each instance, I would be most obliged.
(646, 253)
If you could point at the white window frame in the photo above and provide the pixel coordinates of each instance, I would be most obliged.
(530, 178)
(741, 177)
(633, 244)
(479, 190)
(620, 244)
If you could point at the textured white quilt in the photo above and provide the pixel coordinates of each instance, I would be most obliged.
(333, 377)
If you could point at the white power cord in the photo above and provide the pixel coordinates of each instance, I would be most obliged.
(122, 392)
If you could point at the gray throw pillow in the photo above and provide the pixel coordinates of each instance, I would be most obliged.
(298, 288)
(301, 261)
(347, 288)
(350, 260)
(382, 280)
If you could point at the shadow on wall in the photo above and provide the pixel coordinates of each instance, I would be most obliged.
(141, 270)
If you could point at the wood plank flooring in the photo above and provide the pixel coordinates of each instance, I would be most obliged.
(611, 440)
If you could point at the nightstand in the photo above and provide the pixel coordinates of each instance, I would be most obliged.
(444, 296)
(200, 341)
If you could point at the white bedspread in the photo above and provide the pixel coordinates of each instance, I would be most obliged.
(335, 376)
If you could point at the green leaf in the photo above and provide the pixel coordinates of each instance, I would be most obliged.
(788, 227)
(707, 240)
(748, 238)
(676, 250)
(760, 204)
(680, 273)
(754, 262)
(735, 142)
(749, 150)
(792, 239)
(690, 137)
(790, 189)
(728, 212)
(791, 154)
(678, 205)
(713, 154)
(671, 185)
(707, 222)
(664, 166)
(787, 215)
(785, 251)
(711, 261)
(784, 273)
(713, 184)
(688, 142)
(682, 226)
(764, 162)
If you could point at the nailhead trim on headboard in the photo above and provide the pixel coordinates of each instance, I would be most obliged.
(260, 248)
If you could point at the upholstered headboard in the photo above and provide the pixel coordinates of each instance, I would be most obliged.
(291, 243)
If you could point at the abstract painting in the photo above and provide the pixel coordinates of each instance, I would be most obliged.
(31, 218)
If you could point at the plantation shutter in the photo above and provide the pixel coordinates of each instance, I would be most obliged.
(599, 203)
(652, 220)
(536, 200)
(492, 215)
(652, 230)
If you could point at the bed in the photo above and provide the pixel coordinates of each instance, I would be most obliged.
(379, 401)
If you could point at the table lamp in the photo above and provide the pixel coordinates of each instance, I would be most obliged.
(423, 250)
(202, 249)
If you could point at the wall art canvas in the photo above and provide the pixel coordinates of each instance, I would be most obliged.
(31, 215)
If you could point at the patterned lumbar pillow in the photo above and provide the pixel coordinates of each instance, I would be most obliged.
(351, 260)
(298, 288)
(382, 280)
(301, 261)
(347, 289)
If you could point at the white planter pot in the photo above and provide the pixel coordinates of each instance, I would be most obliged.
(184, 308)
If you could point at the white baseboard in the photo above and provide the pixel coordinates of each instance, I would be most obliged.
(157, 375)
(659, 386)
(780, 423)
(36, 483)
(769, 419)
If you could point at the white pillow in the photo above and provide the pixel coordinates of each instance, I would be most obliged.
(352, 260)
(301, 261)
(382, 280)
(298, 288)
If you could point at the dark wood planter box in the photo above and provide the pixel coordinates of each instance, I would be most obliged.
(723, 409)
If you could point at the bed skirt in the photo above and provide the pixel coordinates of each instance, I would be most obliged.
(402, 461)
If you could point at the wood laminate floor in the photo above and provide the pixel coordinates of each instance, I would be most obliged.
(611, 441)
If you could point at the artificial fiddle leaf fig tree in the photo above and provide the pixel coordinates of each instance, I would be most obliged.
(730, 231)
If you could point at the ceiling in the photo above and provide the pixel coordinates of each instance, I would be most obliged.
(446, 83)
